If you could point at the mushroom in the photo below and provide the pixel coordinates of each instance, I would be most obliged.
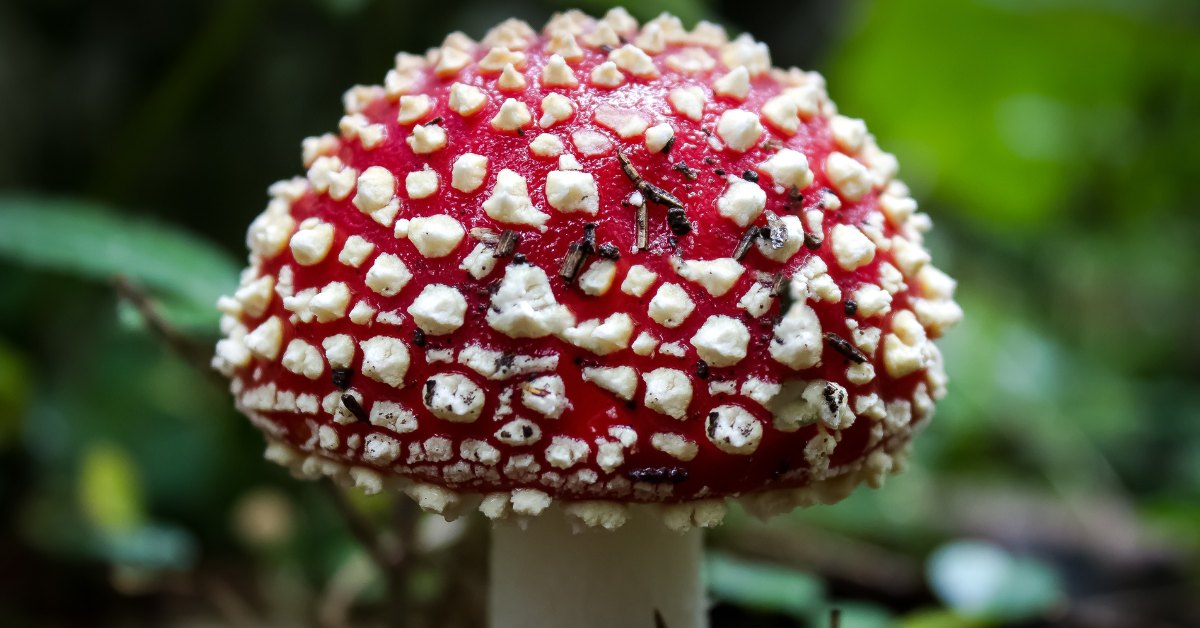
(594, 290)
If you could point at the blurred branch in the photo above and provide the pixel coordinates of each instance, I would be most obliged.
(812, 549)
(194, 353)
(174, 98)
(236, 611)
(404, 526)
(365, 532)
(390, 551)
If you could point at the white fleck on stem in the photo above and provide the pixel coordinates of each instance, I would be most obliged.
(547, 576)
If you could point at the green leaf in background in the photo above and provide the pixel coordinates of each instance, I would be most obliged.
(14, 392)
(855, 614)
(938, 618)
(1006, 107)
(110, 491)
(87, 239)
(982, 581)
(763, 586)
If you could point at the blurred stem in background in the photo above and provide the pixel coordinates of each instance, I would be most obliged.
(391, 549)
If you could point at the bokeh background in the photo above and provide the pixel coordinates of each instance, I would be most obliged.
(1056, 143)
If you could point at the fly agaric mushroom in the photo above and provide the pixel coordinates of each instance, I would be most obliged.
(598, 267)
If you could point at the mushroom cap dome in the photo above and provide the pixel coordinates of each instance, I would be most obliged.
(599, 265)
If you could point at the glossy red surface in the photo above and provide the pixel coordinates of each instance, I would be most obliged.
(713, 472)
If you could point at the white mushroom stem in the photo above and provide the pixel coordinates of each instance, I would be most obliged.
(548, 576)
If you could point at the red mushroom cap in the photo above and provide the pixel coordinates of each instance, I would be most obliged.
(567, 267)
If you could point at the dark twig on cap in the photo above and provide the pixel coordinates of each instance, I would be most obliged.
(589, 238)
(643, 228)
(658, 475)
(656, 195)
(848, 351)
(341, 378)
(686, 170)
(355, 408)
(781, 287)
(507, 244)
(811, 241)
(573, 262)
(678, 222)
(660, 196)
(746, 242)
(779, 284)
(629, 170)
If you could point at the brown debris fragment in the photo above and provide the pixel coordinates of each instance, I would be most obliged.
(651, 192)
(355, 408)
(485, 235)
(746, 242)
(811, 241)
(534, 390)
(778, 284)
(848, 351)
(678, 222)
(643, 228)
(589, 238)
(687, 171)
(573, 262)
(507, 244)
(658, 475)
(341, 378)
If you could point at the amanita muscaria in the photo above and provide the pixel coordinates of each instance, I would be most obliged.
(600, 266)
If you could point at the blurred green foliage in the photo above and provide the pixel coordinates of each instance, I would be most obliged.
(1008, 110)
(763, 587)
(1055, 142)
(88, 240)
